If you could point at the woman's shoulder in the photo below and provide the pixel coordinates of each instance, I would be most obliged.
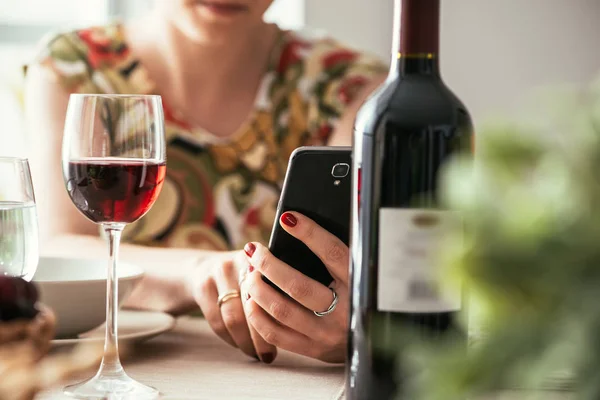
(98, 46)
(325, 74)
(314, 53)
(75, 56)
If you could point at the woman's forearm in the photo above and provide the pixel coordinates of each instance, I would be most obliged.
(166, 283)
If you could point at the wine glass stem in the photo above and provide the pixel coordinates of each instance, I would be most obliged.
(111, 365)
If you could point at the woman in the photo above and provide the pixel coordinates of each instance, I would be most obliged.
(239, 96)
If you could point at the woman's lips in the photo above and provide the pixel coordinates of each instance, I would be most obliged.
(223, 8)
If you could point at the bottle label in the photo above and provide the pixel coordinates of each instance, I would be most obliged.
(409, 240)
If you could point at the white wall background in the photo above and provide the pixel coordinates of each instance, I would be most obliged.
(493, 52)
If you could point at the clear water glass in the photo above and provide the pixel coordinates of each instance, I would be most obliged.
(19, 239)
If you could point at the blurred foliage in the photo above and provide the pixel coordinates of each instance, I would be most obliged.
(530, 252)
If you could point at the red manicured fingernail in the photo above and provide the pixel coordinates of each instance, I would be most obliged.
(267, 358)
(250, 268)
(249, 248)
(289, 220)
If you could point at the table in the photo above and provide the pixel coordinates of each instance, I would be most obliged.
(191, 362)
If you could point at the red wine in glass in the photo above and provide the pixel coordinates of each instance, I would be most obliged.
(114, 190)
(113, 162)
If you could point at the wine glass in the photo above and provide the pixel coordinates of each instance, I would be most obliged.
(19, 248)
(114, 166)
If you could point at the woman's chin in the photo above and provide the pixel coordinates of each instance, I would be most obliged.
(210, 33)
(206, 27)
(220, 12)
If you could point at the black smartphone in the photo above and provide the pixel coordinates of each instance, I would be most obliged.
(318, 184)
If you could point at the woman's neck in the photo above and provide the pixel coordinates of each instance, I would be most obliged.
(196, 71)
(233, 58)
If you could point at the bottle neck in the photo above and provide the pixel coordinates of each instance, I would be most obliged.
(415, 48)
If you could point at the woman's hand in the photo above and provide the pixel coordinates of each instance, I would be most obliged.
(290, 323)
(215, 276)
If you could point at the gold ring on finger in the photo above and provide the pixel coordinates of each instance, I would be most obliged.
(232, 294)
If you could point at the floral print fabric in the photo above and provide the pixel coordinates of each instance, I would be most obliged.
(222, 192)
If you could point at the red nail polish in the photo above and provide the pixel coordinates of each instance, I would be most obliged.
(289, 220)
(250, 268)
(249, 248)
(267, 358)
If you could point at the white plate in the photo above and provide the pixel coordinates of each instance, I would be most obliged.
(134, 326)
(75, 289)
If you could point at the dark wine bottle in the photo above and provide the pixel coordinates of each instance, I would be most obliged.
(404, 134)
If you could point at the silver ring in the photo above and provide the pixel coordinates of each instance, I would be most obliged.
(332, 306)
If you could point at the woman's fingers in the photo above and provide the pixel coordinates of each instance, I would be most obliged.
(266, 352)
(232, 311)
(306, 291)
(206, 296)
(282, 309)
(276, 334)
(331, 250)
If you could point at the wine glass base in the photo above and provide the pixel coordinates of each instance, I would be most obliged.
(120, 387)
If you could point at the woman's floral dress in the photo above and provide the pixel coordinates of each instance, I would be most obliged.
(222, 192)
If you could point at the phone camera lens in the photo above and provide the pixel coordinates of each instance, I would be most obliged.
(340, 170)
